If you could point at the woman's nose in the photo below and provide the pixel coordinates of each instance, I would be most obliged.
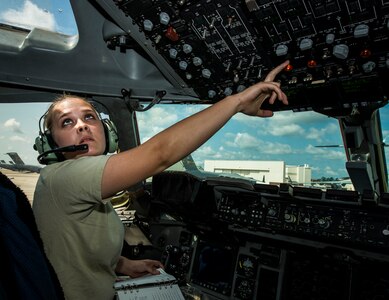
(82, 126)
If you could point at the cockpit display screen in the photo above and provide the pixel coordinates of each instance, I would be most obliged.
(213, 267)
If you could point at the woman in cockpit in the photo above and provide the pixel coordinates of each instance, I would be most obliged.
(81, 232)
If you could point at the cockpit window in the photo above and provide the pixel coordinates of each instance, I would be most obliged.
(384, 119)
(303, 148)
(37, 23)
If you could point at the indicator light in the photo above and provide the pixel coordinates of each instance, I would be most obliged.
(366, 53)
(288, 68)
(311, 63)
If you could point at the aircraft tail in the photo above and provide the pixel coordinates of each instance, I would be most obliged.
(16, 158)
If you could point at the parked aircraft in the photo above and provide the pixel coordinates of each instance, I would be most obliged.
(17, 164)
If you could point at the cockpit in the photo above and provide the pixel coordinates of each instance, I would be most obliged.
(290, 207)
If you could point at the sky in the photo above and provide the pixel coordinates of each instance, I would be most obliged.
(54, 15)
(287, 136)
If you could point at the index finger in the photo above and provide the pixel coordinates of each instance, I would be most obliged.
(273, 73)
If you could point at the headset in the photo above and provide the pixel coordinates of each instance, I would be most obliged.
(50, 153)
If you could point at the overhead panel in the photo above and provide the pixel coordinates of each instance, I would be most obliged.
(338, 50)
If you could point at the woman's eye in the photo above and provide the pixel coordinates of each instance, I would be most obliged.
(89, 117)
(66, 122)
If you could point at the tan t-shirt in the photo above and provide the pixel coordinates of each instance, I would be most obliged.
(82, 235)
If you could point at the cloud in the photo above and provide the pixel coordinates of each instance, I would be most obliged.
(241, 140)
(13, 125)
(17, 138)
(320, 134)
(288, 123)
(325, 153)
(305, 124)
(30, 16)
(246, 141)
(314, 134)
(276, 148)
(330, 172)
(154, 121)
(208, 153)
(250, 121)
(282, 117)
(286, 130)
(308, 117)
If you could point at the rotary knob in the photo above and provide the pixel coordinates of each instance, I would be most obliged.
(341, 51)
(281, 50)
(272, 212)
(148, 25)
(240, 88)
(164, 18)
(323, 223)
(235, 211)
(188, 76)
(361, 30)
(330, 38)
(385, 231)
(306, 44)
(289, 218)
(227, 91)
(183, 65)
(368, 67)
(197, 61)
(173, 53)
(211, 94)
(187, 48)
(206, 73)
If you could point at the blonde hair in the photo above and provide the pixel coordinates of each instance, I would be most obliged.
(49, 115)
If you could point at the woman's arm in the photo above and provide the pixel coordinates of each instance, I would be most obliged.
(169, 146)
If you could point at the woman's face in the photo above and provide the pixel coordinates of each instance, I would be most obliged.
(75, 122)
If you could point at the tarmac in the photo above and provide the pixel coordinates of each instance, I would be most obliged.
(26, 181)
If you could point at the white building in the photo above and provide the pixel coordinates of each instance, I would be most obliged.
(299, 174)
(262, 171)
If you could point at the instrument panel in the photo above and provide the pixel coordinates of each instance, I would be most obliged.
(258, 241)
(338, 50)
(345, 224)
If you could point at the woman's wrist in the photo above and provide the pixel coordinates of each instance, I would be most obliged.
(234, 102)
(123, 266)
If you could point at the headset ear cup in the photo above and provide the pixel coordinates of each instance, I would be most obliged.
(43, 143)
(111, 136)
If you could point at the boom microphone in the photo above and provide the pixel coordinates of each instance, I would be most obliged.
(72, 148)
